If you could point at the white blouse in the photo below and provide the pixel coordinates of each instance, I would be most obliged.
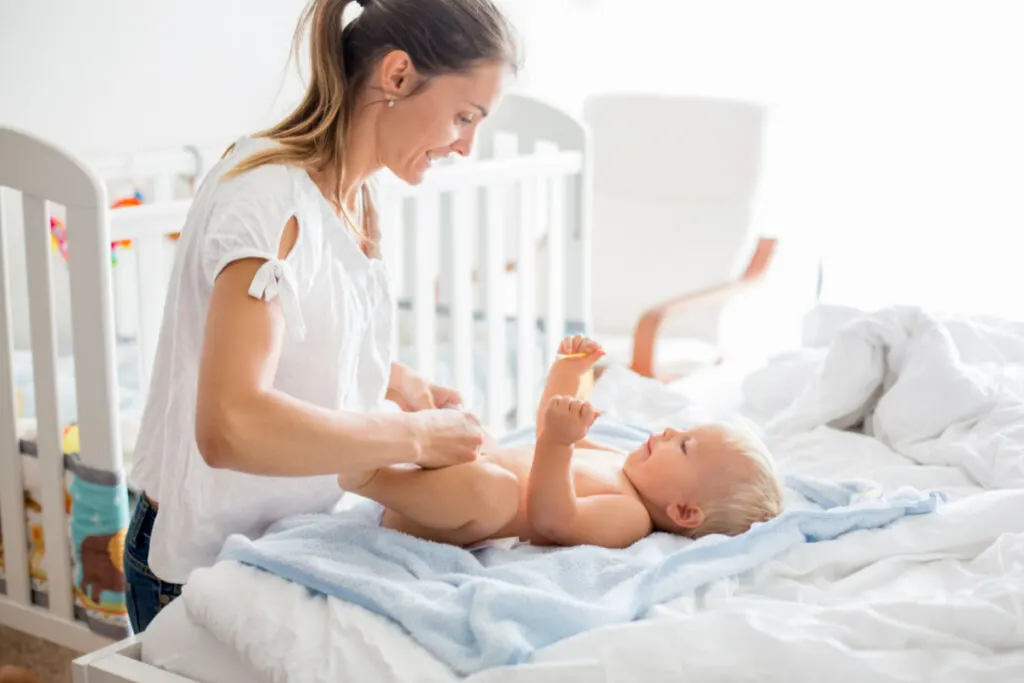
(339, 313)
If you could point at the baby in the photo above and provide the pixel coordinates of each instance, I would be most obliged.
(570, 491)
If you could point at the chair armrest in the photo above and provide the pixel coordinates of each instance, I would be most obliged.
(650, 323)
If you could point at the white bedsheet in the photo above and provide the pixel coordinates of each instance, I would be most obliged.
(934, 598)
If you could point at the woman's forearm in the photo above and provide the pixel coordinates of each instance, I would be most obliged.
(265, 433)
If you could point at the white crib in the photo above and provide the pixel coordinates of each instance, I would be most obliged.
(490, 259)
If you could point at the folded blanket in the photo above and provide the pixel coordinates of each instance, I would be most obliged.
(491, 607)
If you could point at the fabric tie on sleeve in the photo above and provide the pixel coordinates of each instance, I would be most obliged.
(277, 277)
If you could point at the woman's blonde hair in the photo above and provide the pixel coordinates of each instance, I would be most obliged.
(440, 37)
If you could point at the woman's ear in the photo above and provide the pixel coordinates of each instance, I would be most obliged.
(397, 74)
(685, 515)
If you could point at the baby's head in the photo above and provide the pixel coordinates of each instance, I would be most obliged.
(711, 479)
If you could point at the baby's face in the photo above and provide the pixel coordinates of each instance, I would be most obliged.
(684, 467)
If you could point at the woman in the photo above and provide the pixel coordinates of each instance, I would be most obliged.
(274, 354)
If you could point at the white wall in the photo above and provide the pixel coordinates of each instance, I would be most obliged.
(117, 75)
(894, 140)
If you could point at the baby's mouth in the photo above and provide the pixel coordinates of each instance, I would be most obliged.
(644, 452)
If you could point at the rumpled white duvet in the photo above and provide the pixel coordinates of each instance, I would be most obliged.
(933, 598)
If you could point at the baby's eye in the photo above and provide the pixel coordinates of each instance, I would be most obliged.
(466, 119)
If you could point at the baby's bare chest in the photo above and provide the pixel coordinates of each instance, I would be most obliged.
(598, 472)
(594, 472)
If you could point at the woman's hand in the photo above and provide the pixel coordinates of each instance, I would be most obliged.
(441, 438)
(446, 437)
(443, 397)
(412, 393)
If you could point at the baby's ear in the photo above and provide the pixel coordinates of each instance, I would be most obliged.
(685, 515)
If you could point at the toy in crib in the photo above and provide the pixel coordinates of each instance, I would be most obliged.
(59, 233)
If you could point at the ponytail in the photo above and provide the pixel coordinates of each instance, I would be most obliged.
(312, 135)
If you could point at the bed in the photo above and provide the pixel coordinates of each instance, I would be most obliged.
(936, 597)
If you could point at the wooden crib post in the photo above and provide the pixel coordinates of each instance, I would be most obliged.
(12, 496)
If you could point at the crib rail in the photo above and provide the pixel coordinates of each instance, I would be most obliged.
(44, 180)
(485, 202)
(448, 243)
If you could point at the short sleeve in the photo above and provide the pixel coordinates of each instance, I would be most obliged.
(246, 221)
(247, 218)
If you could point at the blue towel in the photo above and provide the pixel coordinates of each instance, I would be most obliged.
(491, 607)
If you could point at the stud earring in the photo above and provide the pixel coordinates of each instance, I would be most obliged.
(391, 102)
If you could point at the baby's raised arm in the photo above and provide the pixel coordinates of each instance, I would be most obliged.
(554, 511)
(577, 356)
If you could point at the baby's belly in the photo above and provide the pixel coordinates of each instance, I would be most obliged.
(517, 462)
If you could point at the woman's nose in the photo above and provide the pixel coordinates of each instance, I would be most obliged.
(464, 145)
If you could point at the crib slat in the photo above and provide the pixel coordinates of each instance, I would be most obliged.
(126, 296)
(163, 188)
(48, 438)
(494, 295)
(557, 229)
(428, 229)
(530, 215)
(12, 498)
(151, 287)
(92, 322)
(393, 249)
(464, 205)
(580, 204)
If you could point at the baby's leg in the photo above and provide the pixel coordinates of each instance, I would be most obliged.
(460, 505)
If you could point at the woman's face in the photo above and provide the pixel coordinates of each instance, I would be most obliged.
(438, 120)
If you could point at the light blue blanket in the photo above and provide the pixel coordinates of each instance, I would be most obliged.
(492, 607)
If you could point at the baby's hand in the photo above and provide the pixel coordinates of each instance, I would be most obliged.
(567, 420)
(579, 353)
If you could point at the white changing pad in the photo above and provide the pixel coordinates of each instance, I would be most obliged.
(175, 644)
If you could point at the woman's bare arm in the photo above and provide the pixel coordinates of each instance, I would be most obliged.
(243, 423)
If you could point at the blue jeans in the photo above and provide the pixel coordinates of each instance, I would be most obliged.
(145, 593)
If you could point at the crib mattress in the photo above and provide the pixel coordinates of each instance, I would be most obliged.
(173, 643)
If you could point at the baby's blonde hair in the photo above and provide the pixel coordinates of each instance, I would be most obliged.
(750, 498)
